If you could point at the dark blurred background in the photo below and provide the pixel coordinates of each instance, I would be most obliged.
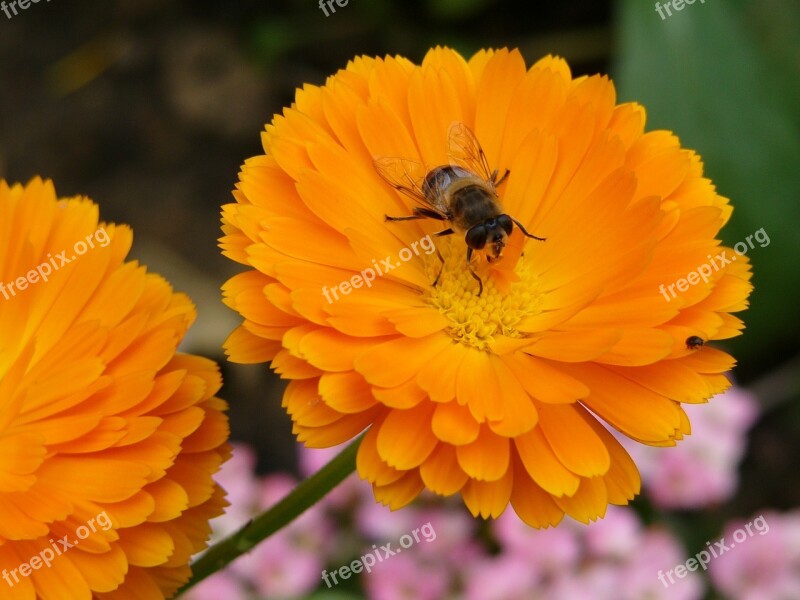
(149, 107)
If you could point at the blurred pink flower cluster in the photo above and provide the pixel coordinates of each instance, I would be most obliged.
(702, 469)
(765, 566)
(616, 558)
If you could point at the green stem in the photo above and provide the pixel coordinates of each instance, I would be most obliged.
(304, 496)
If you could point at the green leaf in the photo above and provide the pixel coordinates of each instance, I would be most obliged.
(725, 77)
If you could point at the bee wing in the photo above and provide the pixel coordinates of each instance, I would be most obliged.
(402, 174)
(407, 176)
(465, 151)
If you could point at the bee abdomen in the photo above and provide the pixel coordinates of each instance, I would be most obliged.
(441, 178)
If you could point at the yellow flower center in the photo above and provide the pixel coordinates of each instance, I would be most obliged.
(476, 320)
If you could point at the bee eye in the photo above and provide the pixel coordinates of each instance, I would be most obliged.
(505, 222)
(476, 237)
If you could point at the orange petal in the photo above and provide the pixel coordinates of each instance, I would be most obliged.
(485, 459)
(405, 439)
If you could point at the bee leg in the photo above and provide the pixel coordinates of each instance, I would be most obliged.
(419, 213)
(502, 179)
(441, 269)
(439, 254)
(473, 273)
(525, 231)
(408, 218)
(478, 279)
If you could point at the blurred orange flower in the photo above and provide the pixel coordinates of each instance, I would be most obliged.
(108, 438)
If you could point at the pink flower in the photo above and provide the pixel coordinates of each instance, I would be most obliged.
(595, 582)
(762, 561)
(645, 574)
(692, 477)
(281, 570)
(404, 577)
(220, 585)
(447, 532)
(547, 551)
(378, 523)
(617, 536)
(504, 577)
(613, 559)
(237, 477)
(442, 530)
(736, 410)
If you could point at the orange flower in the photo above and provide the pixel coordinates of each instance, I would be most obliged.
(108, 439)
(498, 396)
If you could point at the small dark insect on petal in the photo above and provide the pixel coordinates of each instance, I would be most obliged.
(693, 342)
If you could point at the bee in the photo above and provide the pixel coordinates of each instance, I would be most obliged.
(463, 194)
(693, 342)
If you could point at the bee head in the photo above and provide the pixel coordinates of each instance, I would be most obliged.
(493, 231)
